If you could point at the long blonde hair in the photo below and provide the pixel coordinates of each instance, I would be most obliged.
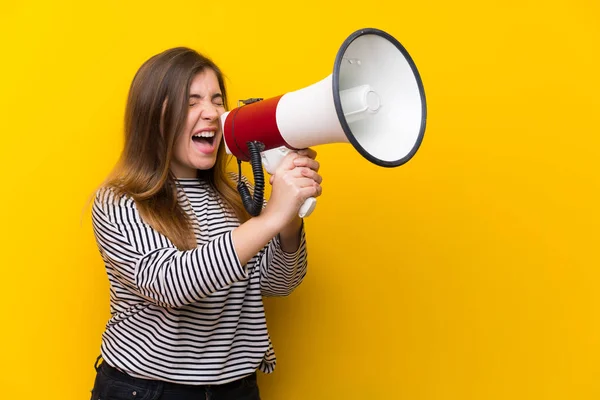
(155, 115)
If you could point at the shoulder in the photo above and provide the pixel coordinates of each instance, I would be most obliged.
(108, 197)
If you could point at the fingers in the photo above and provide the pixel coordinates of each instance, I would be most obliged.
(301, 172)
(305, 182)
(309, 173)
(311, 191)
(308, 187)
(308, 152)
(304, 157)
(304, 186)
(304, 161)
(288, 161)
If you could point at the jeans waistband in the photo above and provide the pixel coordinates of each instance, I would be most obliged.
(114, 373)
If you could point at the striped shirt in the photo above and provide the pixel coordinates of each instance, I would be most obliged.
(196, 316)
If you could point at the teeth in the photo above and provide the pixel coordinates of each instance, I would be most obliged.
(205, 134)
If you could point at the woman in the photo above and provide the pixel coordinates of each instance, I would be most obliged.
(187, 265)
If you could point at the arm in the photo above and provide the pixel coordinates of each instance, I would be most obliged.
(281, 269)
(304, 162)
(148, 264)
(284, 263)
(290, 235)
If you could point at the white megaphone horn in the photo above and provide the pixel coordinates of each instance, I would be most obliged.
(374, 100)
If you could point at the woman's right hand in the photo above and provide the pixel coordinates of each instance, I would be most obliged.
(295, 180)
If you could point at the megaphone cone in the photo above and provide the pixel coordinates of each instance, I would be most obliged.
(374, 100)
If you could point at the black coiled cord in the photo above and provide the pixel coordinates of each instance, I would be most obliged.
(253, 204)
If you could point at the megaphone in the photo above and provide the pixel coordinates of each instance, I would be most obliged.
(374, 100)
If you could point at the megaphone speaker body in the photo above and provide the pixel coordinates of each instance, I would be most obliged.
(374, 100)
(296, 120)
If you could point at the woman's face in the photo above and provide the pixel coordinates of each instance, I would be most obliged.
(196, 147)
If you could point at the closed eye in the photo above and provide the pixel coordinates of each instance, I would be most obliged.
(217, 100)
(194, 99)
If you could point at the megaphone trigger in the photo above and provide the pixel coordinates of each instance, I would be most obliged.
(272, 158)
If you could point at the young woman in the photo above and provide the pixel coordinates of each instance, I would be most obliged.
(187, 265)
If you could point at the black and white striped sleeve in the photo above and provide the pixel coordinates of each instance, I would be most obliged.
(147, 263)
(282, 272)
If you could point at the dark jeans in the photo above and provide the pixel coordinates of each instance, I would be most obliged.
(112, 384)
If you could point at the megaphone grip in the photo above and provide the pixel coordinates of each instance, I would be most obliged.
(307, 207)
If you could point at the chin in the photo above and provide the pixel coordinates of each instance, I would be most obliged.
(206, 164)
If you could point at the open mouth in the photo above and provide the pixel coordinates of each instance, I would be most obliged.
(204, 137)
(205, 141)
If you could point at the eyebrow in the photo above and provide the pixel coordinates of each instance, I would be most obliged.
(214, 96)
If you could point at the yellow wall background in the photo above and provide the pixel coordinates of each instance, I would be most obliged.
(472, 272)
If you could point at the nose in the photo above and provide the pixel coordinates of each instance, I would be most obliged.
(210, 112)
